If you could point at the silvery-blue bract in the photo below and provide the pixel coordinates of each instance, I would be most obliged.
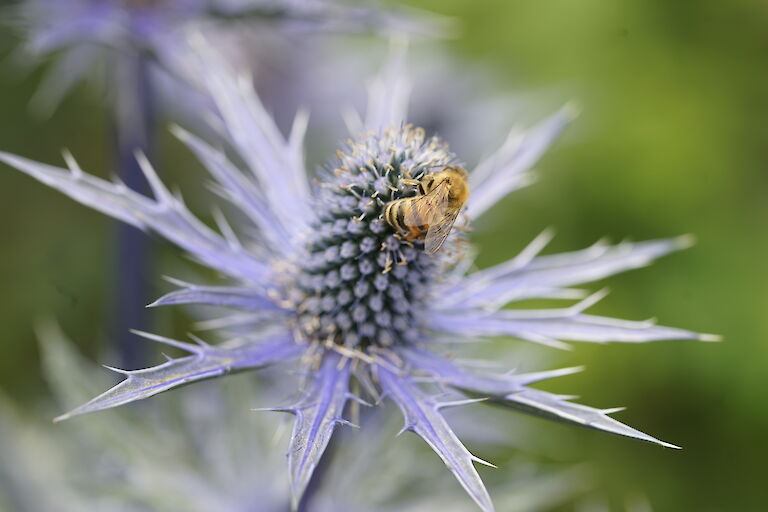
(322, 282)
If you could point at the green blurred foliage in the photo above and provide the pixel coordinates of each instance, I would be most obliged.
(674, 96)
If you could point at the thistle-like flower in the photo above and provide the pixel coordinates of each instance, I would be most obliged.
(321, 278)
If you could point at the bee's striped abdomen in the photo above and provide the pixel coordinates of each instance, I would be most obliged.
(395, 215)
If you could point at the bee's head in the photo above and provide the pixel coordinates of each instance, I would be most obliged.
(428, 182)
(456, 177)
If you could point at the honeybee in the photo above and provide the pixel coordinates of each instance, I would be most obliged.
(431, 215)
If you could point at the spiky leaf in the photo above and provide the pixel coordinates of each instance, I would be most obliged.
(276, 162)
(511, 391)
(239, 189)
(550, 326)
(528, 275)
(422, 416)
(231, 296)
(558, 408)
(166, 214)
(206, 362)
(507, 168)
(317, 415)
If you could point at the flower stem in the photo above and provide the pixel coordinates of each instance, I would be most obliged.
(132, 126)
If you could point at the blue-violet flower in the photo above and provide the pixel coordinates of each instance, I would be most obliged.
(324, 281)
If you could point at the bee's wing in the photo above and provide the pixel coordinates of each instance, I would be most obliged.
(428, 209)
(438, 232)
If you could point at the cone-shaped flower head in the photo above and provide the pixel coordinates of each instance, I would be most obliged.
(323, 278)
(362, 283)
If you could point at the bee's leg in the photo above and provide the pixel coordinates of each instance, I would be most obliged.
(412, 183)
(413, 235)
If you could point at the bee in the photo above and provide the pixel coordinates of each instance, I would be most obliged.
(430, 215)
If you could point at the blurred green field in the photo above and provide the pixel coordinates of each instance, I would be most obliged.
(671, 140)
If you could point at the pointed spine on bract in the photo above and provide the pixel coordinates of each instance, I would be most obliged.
(317, 413)
(530, 275)
(205, 362)
(551, 326)
(512, 391)
(422, 416)
(166, 214)
(247, 298)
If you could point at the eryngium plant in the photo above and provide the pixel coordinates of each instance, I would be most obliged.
(202, 451)
(323, 281)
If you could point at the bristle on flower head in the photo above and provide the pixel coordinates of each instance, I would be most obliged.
(362, 280)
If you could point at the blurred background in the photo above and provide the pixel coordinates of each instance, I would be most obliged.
(670, 140)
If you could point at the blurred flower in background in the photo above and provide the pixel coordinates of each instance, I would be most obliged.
(87, 34)
(322, 278)
(203, 450)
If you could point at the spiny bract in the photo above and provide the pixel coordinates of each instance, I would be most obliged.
(321, 280)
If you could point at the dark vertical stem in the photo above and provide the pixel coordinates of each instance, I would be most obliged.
(132, 124)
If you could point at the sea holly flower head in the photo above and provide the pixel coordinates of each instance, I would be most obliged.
(320, 278)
